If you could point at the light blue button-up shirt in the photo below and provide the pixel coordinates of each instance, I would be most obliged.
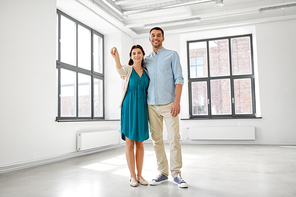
(165, 72)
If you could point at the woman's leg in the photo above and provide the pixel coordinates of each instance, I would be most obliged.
(139, 158)
(130, 158)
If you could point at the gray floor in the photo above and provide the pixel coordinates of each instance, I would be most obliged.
(210, 170)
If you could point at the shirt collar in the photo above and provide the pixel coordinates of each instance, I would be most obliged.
(159, 51)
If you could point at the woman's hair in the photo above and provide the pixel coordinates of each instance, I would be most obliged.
(131, 62)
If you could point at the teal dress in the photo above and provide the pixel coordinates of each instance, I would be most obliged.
(134, 110)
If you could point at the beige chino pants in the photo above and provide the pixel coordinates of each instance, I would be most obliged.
(158, 113)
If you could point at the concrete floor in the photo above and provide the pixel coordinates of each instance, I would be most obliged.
(209, 170)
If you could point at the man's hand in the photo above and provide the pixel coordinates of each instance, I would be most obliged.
(175, 109)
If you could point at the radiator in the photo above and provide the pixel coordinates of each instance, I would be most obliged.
(97, 139)
(222, 133)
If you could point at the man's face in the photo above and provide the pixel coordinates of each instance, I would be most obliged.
(156, 38)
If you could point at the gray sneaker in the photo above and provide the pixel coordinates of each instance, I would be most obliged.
(180, 182)
(159, 179)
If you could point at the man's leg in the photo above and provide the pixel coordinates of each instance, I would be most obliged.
(172, 124)
(156, 129)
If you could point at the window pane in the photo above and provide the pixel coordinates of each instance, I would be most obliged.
(199, 98)
(198, 59)
(241, 56)
(84, 47)
(68, 91)
(57, 92)
(57, 38)
(243, 96)
(79, 59)
(220, 97)
(68, 41)
(98, 98)
(84, 95)
(219, 58)
(98, 54)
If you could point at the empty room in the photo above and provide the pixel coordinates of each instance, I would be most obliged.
(164, 98)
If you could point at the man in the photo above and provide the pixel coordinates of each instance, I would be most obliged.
(164, 94)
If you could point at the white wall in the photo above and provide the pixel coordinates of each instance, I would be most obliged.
(277, 67)
(274, 48)
(28, 131)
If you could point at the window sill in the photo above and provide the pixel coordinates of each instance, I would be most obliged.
(85, 120)
(220, 118)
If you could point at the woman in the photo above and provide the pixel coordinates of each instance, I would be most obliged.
(134, 111)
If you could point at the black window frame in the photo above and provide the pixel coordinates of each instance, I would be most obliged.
(231, 77)
(94, 75)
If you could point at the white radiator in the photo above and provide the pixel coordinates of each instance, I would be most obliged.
(222, 133)
(96, 139)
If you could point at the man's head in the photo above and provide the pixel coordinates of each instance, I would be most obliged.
(157, 28)
(156, 37)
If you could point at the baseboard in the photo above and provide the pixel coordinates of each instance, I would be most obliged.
(25, 165)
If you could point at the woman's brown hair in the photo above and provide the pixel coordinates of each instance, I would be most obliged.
(131, 62)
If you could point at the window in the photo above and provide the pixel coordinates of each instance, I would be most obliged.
(80, 73)
(221, 78)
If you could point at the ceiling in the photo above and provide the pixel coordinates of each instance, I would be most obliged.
(136, 17)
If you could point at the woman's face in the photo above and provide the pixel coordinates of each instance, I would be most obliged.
(137, 55)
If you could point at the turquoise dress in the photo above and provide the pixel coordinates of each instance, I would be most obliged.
(134, 110)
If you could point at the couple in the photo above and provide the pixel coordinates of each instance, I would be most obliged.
(161, 89)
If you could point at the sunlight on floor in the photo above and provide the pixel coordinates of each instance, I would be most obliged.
(118, 166)
(100, 167)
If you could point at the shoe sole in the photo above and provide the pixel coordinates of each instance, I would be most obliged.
(134, 185)
(158, 183)
(145, 184)
(180, 185)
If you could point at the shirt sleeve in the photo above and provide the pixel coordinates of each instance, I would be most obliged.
(122, 71)
(177, 69)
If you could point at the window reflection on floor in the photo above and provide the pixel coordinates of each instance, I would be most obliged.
(118, 166)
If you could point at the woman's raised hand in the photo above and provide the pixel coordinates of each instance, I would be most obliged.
(114, 53)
